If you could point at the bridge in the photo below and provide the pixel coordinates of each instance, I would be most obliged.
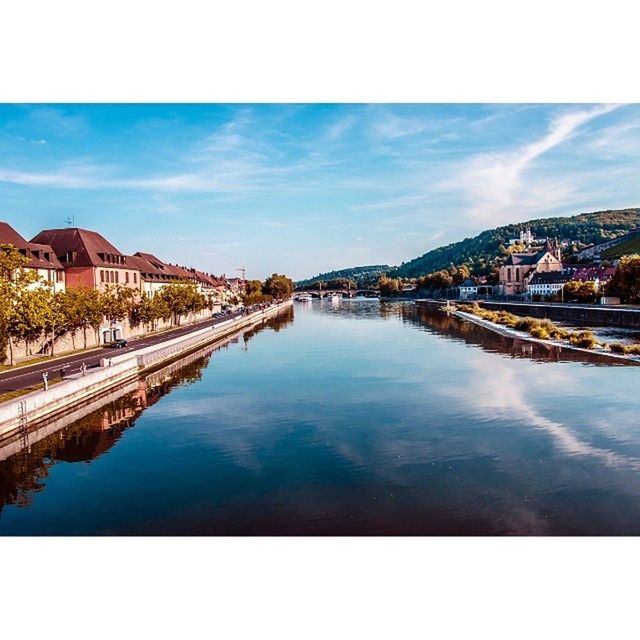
(345, 293)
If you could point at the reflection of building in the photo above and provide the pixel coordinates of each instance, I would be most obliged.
(41, 257)
(519, 268)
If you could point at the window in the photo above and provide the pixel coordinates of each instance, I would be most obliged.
(117, 276)
(135, 277)
(517, 274)
(508, 275)
(111, 276)
(126, 277)
(101, 275)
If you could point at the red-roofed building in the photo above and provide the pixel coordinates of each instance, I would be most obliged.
(41, 257)
(89, 260)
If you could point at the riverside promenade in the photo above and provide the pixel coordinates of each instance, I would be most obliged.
(115, 367)
(26, 376)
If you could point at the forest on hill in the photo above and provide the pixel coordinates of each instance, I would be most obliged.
(479, 253)
(361, 276)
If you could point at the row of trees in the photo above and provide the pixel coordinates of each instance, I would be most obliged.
(443, 279)
(275, 287)
(30, 313)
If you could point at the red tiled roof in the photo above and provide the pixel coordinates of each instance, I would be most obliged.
(86, 248)
(591, 273)
(40, 256)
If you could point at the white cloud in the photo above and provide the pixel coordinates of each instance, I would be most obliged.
(495, 184)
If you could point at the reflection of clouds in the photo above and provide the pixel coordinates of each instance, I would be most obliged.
(506, 390)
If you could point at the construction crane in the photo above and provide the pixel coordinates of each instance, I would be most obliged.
(243, 270)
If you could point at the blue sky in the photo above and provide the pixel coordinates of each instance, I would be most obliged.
(301, 189)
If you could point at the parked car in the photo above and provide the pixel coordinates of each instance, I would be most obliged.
(118, 344)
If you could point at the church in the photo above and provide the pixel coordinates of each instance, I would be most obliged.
(519, 268)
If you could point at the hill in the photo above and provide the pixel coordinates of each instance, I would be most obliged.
(362, 275)
(480, 251)
(628, 247)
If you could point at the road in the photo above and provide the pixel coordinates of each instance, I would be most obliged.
(29, 375)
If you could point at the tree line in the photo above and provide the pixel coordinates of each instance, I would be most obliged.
(275, 287)
(31, 313)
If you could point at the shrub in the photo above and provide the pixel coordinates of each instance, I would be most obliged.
(633, 350)
(584, 339)
(538, 331)
(525, 324)
(616, 347)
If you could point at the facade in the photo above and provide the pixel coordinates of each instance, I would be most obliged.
(467, 289)
(547, 284)
(518, 269)
(89, 260)
(42, 258)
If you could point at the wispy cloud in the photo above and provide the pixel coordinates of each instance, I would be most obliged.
(494, 183)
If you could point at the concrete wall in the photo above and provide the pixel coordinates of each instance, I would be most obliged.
(584, 314)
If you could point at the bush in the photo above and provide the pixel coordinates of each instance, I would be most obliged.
(540, 332)
(616, 347)
(525, 324)
(584, 339)
(633, 350)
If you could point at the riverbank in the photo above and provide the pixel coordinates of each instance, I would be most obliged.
(35, 407)
(521, 335)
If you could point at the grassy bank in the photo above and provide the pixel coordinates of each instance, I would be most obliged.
(546, 330)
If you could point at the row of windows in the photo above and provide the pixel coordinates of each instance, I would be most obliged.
(114, 277)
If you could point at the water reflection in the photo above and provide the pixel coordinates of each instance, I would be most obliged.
(362, 418)
(23, 472)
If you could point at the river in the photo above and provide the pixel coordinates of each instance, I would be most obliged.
(355, 417)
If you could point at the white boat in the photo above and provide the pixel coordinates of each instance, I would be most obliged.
(334, 296)
(304, 297)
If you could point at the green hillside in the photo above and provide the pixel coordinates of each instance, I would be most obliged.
(480, 251)
(361, 275)
(629, 247)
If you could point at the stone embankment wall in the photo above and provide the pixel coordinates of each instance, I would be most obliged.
(18, 414)
(626, 317)
(582, 314)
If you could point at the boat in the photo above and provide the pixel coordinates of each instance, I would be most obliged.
(303, 297)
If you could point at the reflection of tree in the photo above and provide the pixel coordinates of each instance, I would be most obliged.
(275, 323)
(432, 319)
(88, 438)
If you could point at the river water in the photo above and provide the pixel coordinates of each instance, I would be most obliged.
(349, 417)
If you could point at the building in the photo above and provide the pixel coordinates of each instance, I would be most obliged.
(593, 273)
(89, 260)
(467, 289)
(41, 257)
(518, 268)
(526, 238)
(547, 284)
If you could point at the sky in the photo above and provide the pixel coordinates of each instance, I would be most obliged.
(306, 188)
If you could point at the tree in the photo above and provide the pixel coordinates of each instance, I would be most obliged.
(182, 299)
(117, 302)
(278, 286)
(389, 286)
(581, 291)
(626, 280)
(14, 281)
(254, 293)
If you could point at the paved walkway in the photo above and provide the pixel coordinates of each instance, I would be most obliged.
(30, 375)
